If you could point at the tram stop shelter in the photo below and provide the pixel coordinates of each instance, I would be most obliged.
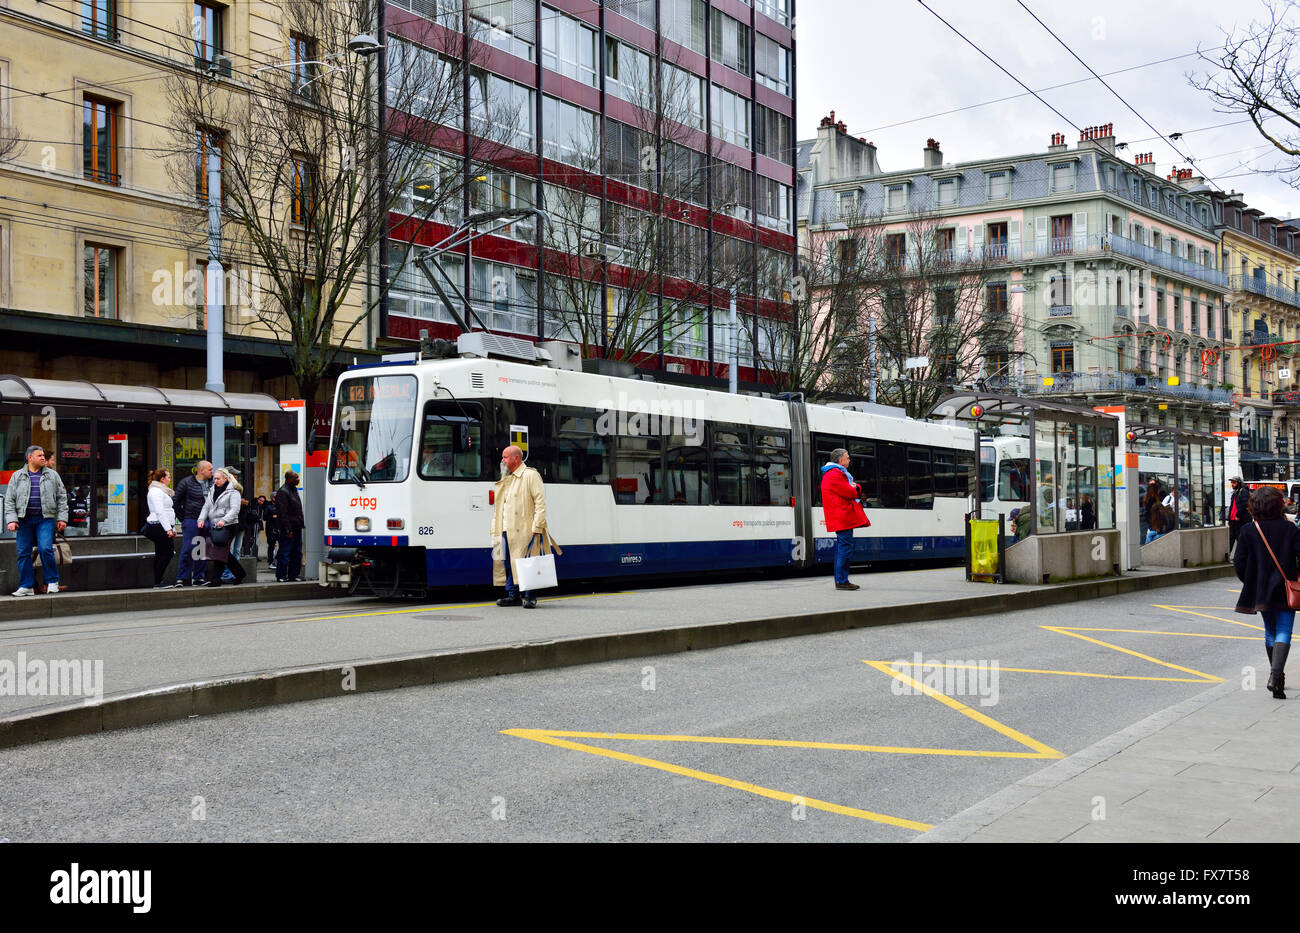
(1183, 472)
(1056, 471)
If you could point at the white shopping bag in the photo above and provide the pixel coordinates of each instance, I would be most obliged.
(535, 573)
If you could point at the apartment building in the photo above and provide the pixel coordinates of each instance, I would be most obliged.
(667, 119)
(1107, 270)
(1261, 255)
(101, 257)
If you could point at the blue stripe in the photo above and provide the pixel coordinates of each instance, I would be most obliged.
(366, 541)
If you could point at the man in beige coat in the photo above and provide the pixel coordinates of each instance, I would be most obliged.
(518, 525)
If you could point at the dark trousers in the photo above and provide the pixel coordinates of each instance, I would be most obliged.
(187, 564)
(1234, 529)
(164, 548)
(843, 554)
(511, 589)
(216, 568)
(288, 565)
(272, 539)
(250, 542)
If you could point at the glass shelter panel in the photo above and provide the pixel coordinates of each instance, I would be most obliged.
(1045, 465)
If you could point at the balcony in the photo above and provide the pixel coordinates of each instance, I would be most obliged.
(1259, 338)
(1134, 250)
(1121, 311)
(1161, 207)
(1060, 310)
(1266, 289)
(1090, 383)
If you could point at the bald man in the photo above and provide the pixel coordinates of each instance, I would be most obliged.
(188, 502)
(518, 524)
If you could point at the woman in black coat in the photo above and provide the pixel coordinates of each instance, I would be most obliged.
(1261, 585)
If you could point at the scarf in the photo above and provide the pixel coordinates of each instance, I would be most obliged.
(165, 488)
(844, 470)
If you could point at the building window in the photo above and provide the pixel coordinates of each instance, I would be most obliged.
(995, 299)
(208, 152)
(208, 38)
(997, 364)
(999, 185)
(1063, 357)
(683, 22)
(627, 74)
(100, 281)
(683, 94)
(947, 191)
(730, 117)
(500, 25)
(772, 64)
(848, 203)
(895, 248)
(772, 134)
(99, 19)
(302, 63)
(943, 241)
(1063, 233)
(569, 48)
(570, 133)
(1059, 291)
(1063, 177)
(778, 10)
(304, 190)
(997, 241)
(848, 253)
(896, 197)
(99, 141)
(730, 43)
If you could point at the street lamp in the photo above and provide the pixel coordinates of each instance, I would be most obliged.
(214, 307)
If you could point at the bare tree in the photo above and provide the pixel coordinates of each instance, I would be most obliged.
(12, 142)
(1254, 73)
(632, 270)
(307, 179)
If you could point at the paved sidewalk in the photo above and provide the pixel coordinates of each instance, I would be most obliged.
(1223, 766)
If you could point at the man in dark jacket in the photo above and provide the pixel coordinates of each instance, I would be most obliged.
(250, 519)
(271, 518)
(1237, 513)
(188, 501)
(287, 503)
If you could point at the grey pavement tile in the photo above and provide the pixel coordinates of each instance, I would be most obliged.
(1246, 829)
(1263, 756)
(1242, 773)
(1137, 828)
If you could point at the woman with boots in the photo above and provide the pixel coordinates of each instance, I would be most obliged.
(160, 528)
(1267, 550)
(220, 514)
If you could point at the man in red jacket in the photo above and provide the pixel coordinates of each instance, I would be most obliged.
(843, 512)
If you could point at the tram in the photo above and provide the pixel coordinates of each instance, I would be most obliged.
(642, 478)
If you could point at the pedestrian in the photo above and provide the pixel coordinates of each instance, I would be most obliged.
(250, 517)
(191, 493)
(1238, 507)
(288, 505)
(843, 512)
(160, 527)
(220, 514)
(1023, 519)
(38, 499)
(1266, 552)
(271, 518)
(1162, 522)
(518, 525)
(1087, 513)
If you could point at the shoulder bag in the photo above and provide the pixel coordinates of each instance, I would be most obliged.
(62, 551)
(1292, 587)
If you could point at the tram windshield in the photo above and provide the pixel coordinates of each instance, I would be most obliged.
(373, 430)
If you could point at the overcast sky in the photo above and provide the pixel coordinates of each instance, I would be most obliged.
(882, 62)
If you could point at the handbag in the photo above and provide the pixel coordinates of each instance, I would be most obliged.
(62, 551)
(221, 537)
(1292, 587)
(535, 573)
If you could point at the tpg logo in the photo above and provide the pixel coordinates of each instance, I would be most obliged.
(366, 505)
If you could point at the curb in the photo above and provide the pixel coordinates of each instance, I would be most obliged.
(315, 682)
(149, 600)
(965, 824)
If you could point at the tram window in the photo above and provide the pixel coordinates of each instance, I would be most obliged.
(732, 463)
(988, 473)
(862, 464)
(581, 453)
(893, 475)
(945, 473)
(686, 469)
(772, 471)
(920, 480)
(965, 473)
(451, 441)
(823, 445)
(1013, 480)
(636, 470)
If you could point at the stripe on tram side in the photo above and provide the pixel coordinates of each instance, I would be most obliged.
(894, 548)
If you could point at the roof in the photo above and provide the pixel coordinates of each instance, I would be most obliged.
(1013, 408)
(21, 389)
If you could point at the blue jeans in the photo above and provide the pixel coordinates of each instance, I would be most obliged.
(843, 554)
(186, 566)
(1151, 536)
(511, 590)
(38, 531)
(1277, 625)
(288, 563)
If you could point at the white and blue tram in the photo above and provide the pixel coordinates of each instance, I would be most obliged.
(641, 477)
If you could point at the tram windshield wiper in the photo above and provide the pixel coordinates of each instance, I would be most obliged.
(355, 473)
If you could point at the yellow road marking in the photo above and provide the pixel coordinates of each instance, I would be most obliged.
(1034, 670)
(1188, 610)
(538, 735)
(1206, 678)
(1143, 631)
(398, 612)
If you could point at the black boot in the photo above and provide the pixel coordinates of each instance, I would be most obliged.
(1278, 685)
(1269, 649)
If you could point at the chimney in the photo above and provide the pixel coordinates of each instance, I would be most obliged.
(1101, 136)
(931, 155)
(1058, 143)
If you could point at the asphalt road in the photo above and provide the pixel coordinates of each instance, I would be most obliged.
(449, 762)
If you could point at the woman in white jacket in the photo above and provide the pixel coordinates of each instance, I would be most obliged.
(161, 526)
(220, 513)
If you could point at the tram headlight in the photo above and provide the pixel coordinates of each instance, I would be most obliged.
(335, 524)
(396, 524)
(362, 524)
